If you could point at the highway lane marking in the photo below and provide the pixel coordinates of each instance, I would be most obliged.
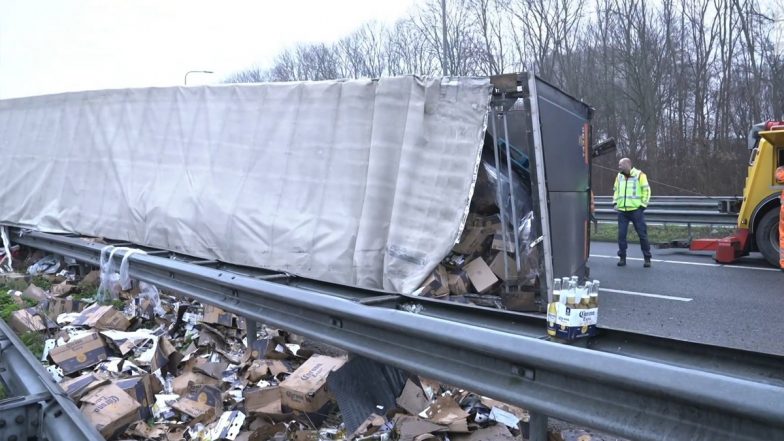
(683, 262)
(645, 294)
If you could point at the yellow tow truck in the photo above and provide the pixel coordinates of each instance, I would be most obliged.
(758, 212)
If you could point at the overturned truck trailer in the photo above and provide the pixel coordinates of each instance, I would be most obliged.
(364, 183)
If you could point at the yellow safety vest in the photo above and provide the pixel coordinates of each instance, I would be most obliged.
(631, 193)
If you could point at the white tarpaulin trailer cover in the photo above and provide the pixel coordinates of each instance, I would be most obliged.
(363, 183)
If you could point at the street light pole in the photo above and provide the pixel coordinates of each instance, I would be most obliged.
(195, 71)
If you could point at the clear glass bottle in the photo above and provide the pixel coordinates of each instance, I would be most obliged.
(585, 298)
(552, 308)
(557, 287)
(595, 294)
(571, 294)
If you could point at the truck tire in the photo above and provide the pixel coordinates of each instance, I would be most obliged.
(767, 237)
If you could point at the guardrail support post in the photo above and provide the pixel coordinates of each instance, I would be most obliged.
(537, 427)
(251, 329)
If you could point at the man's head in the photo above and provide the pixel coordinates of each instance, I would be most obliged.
(780, 175)
(625, 166)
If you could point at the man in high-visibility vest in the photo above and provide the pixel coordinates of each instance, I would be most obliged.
(631, 194)
(780, 180)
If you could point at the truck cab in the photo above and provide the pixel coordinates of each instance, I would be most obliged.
(759, 211)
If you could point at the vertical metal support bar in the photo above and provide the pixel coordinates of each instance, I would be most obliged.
(515, 219)
(541, 186)
(537, 427)
(688, 230)
(504, 232)
(251, 330)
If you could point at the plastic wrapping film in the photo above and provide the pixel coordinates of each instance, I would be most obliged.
(520, 196)
(362, 182)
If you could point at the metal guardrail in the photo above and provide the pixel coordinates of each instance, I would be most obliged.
(36, 407)
(685, 210)
(664, 391)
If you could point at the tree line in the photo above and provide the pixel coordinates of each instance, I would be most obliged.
(678, 83)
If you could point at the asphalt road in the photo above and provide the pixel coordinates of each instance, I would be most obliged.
(688, 296)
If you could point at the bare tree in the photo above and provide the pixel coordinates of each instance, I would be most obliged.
(675, 81)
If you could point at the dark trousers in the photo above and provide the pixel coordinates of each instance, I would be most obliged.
(637, 218)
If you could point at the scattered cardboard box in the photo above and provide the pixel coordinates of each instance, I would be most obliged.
(306, 388)
(459, 283)
(141, 389)
(195, 409)
(266, 400)
(14, 281)
(35, 293)
(499, 432)
(207, 394)
(409, 427)
(497, 266)
(412, 399)
(110, 409)
(30, 320)
(128, 341)
(61, 289)
(445, 411)
(181, 383)
(142, 430)
(102, 318)
(491, 222)
(91, 279)
(481, 275)
(80, 353)
(57, 306)
(75, 388)
(214, 370)
(217, 316)
(368, 427)
(437, 284)
(166, 356)
(472, 239)
(498, 243)
(262, 368)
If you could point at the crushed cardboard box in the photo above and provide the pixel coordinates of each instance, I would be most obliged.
(62, 289)
(412, 399)
(473, 239)
(35, 293)
(142, 389)
(217, 316)
(437, 284)
(126, 342)
(80, 353)
(306, 388)
(57, 306)
(266, 400)
(30, 320)
(76, 387)
(459, 283)
(110, 409)
(102, 318)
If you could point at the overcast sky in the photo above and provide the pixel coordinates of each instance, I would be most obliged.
(49, 46)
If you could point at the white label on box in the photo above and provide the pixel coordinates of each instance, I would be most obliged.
(570, 317)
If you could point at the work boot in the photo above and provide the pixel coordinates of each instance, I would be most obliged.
(622, 261)
(647, 263)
